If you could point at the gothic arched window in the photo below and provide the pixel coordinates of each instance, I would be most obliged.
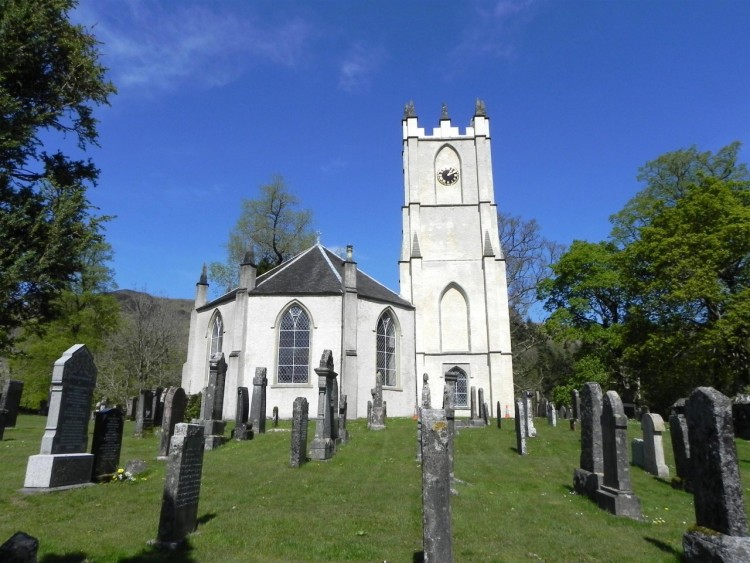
(294, 346)
(386, 349)
(217, 334)
(461, 396)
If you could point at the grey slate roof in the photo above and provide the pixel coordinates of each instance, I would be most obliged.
(316, 271)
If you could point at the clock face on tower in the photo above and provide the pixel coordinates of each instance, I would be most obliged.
(447, 176)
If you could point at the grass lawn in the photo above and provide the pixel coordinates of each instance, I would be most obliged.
(363, 505)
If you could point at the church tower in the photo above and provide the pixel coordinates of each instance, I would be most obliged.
(452, 267)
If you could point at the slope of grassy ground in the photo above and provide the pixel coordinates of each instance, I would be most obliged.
(363, 505)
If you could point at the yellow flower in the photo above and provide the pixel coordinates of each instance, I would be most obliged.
(121, 470)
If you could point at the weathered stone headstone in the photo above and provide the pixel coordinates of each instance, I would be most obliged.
(653, 446)
(144, 415)
(575, 397)
(528, 412)
(426, 404)
(258, 405)
(275, 417)
(616, 494)
(179, 505)
(474, 411)
(449, 391)
(551, 415)
(520, 427)
(19, 548)
(717, 489)
(323, 445)
(175, 403)
(485, 414)
(63, 460)
(11, 401)
(563, 412)
(343, 433)
(678, 430)
(636, 452)
(588, 477)
(298, 454)
(242, 429)
(376, 420)
(436, 492)
(106, 443)
(212, 403)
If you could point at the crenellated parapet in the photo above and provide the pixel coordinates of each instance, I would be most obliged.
(479, 126)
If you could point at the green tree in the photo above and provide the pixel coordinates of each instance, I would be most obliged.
(272, 226)
(87, 313)
(50, 82)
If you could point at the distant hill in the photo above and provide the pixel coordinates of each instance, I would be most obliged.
(179, 309)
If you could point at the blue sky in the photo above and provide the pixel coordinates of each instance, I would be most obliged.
(216, 97)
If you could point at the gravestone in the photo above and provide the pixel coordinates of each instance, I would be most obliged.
(588, 477)
(741, 416)
(212, 403)
(520, 427)
(551, 415)
(335, 410)
(636, 452)
(258, 405)
(343, 433)
(485, 414)
(575, 397)
(242, 429)
(179, 505)
(144, 415)
(616, 495)
(323, 445)
(131, 408)
(426, 404)
(157, 405)
(275, 417)
(19, 548)
(474, 411)
(563, 412)
(528, 412)
(175, 403)
(3, 415)
(449, 395)
(437, 536)
(298, 454)
(678, 430)
(376, 420)
(653, 446)
(497, 413)
(106, 443)
(62, 460)
(11, 400)
(721, 532)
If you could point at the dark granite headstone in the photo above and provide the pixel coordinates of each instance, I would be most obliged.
(499, 415)
(144, 415)
(717, 488)
(242, 428)
(157, 408)
(11, 400)
(616, 494)
(179, 506)
(175, 403)
(298, 452)
(437, 537)
(741, 416)
(587, 478)
(258, 406)
(19, 548)
(212, 403)
(106, 443)
(63, 460)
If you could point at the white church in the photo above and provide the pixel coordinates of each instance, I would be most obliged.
(451, 312)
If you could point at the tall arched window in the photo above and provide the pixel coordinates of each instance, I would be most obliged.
(386, 349)
(217, 334)
(461, 396)
(294, 346)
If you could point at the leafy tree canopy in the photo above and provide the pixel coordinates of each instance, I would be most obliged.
(272, 226)
(50, 82)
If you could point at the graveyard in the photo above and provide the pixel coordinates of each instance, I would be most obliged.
(364, 504)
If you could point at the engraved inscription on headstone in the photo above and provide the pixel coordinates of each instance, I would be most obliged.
(107, 442)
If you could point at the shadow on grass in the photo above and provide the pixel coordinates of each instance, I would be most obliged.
(206, 518)
(666, 548)
(418, 557)
(153, 554)
(76, 557)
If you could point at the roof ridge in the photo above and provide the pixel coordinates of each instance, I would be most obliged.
(323, 251)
